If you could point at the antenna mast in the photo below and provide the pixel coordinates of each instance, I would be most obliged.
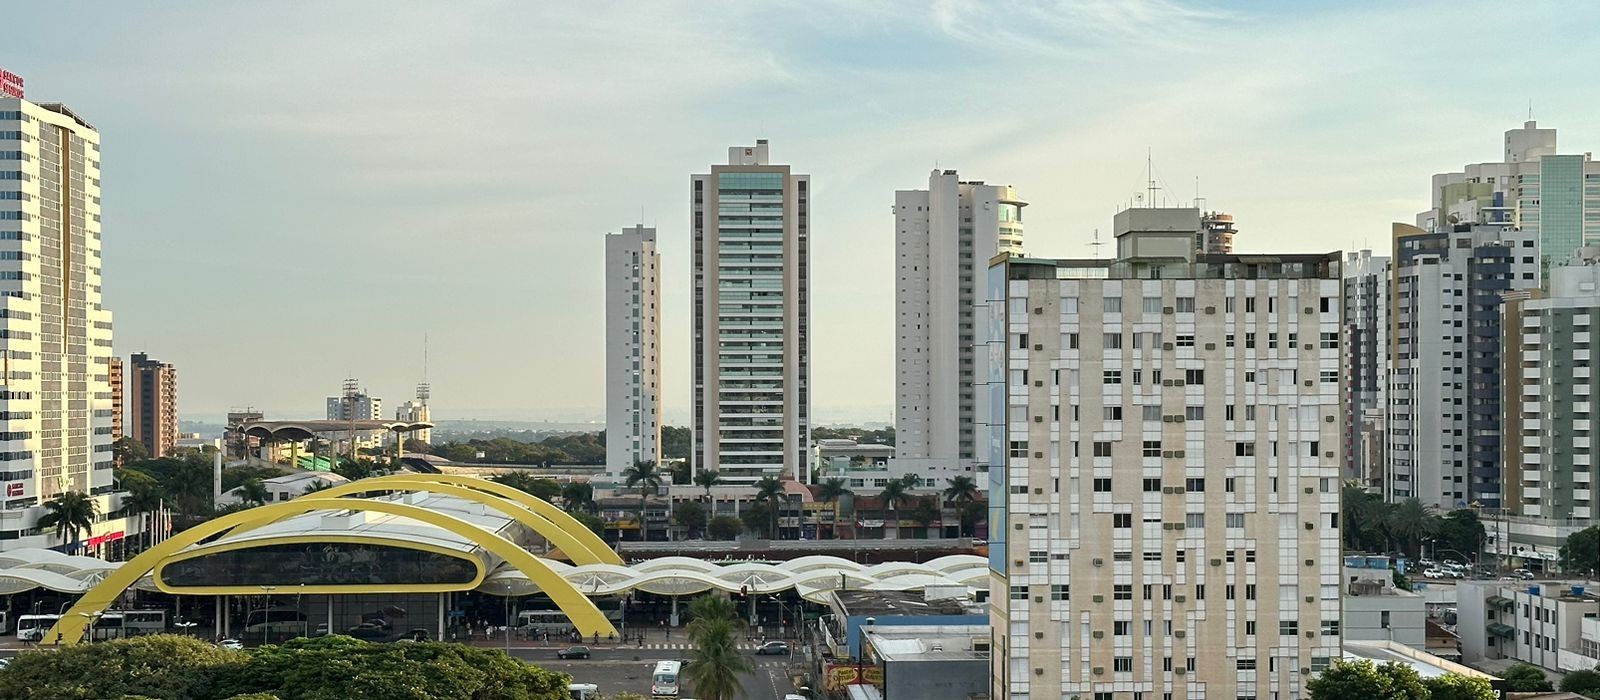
(1096, 243)
(424, 391)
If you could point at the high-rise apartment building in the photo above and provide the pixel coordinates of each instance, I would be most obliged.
(354, 403)
(153, 397)
(1554, 196)
(1444, 431)
(416, 411)
(752, 403)
(944, 238)
(633, 349)
(115, 376)
(1550, 384)
(1216, 234)
(1164, 506)
(56, 399)
(1366, 375)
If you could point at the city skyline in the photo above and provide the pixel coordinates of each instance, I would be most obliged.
(470, 161)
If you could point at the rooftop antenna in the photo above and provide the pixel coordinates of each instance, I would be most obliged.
(1530, 109)
(1096, 243)
(1199, 202)
(1150, 172)
(424, 390)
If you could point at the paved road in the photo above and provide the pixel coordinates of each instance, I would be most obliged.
(628, 669)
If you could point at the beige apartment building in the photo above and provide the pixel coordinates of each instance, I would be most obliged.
(1165, 522)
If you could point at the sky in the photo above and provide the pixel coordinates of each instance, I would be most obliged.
(299, 192)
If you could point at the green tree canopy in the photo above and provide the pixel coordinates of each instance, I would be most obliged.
(1364, 680)
(1581, 551)
(1451, 686)
(724, 527)
(1586, 682)
(539, 487)
(960, 489)
(70, 514)
(1525, 678)
(690, 514)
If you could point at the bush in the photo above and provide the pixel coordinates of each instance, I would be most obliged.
(157, 666)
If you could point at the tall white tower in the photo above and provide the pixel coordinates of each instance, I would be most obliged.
(633, 349)
(944, 238)
(752, 404)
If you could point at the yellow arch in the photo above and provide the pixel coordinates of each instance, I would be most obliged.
(578, 608)
(561, 518)
(561, 539)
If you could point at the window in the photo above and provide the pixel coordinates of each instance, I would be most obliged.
(1195, 376)
(1228, 591)
(1330, 628)
(1151, 414)
(1244, 449)
(1194, 413)
(1194, 485)
(1327, 304)
(1330, 341)
(1060, 591)
(1227, 412)
(1038, 556)
(1246, 664)
(1152, 485)
(1152, 448)
(1194, 521)
(1121, 628)
(1112, 376)
(1250, 305)
(1122, 521)
(1250, 594)
(1111, 412)
(1113, 305)
(1122, 664)
(1185, 305)
(1072, 341)
(1228, 340)
(1121, 591)
(1019, 449)
(1152, 305)
(1227, 305)
(1330, 376)
(1019, 592)
(1185, 340)
(1022, 341)
(1113, 341)
(1288, 628)
(1235, 520)
(1102, 485)
(1200, 591)
(1250, 340)
(1272, 341)
(1102, 449)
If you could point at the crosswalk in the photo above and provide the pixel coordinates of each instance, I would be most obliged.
(686, 645)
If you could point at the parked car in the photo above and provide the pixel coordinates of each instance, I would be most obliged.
(368, 630)
(1434, 573)
(1523, 574)
(573, 653)
(233, 644)
(773, 649)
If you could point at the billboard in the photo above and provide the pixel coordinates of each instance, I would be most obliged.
(10, 84)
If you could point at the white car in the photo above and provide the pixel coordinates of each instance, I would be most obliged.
(1433, 573)
(233, 644)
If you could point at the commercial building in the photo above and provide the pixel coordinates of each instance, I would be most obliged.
(1553, 196)
(929, 662)
(1376, 609)
(1164, 518)
(862, 466)
(751, 226)
(1553, 624)
(153, 420)
(56, 403)
(355, 404)
(1447, 286)
(633, 338)
(1366, 376)
(944, 238)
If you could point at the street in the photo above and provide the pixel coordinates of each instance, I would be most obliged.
(628, 669)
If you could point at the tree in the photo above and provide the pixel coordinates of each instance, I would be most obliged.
(1363, 680)
(1451, 686)
(680, 473)
(316, 486)
(970, 514)
(536, 486)
(716, 664)
(156, 666)
(1460, 530)
(647, 477)
(1410, 522)
(416, 446)
(144, 498)
(768, 491)
(126, 450)
(724, 527)
(578, 498)
(70, 513)
(690, 514)
(675, 442)
(1525, 678)
(757, 518)
(1585, 682)
(961, 489)
(254, 492)
(706, 479)
(926, 511)
(1581, 552)
(832, 491)
(894, 493)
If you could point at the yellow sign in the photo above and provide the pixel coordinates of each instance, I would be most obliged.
(841, 675)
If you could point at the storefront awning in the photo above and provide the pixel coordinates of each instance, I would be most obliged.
(1502, 630)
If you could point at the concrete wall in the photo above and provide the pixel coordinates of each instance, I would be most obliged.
(935, 680)
(1363, 619)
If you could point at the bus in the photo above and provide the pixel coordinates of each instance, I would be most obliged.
(664, 680)
(275, 623)
(137, 622)
(5, 622)
(583, 691)
(32, 628)
(556, 622)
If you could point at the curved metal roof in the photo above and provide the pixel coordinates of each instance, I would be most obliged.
(306, 429)
(31, 567)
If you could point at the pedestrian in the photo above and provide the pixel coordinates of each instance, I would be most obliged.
(669, 633)
(641, 640)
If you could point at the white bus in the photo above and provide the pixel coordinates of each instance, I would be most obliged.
(583, 691)
(555, 621)
(136, 622)
(664, 680)
(32, 628)
(275, 623)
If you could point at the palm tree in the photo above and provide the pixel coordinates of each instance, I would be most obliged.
(253, 492)
(832, 490)
(770, 491)
(189, 487)
(894, 493)
(716, 665)
(578, 497)
(1410, 522)
(962, 489)
(707, 478)
(647, 477)
(70, 513)
(316, 486)
(708, 608)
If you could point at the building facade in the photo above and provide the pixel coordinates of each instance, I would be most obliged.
(1444, 433)
(1164, 518)
(751, 229)
(944, 238)
(153, 420)
(354, 403)
(633, 354)
(1556, 197)
(1216, 234)
(115, 376)
(1553, 624)
(416, 411)
(56, 402)
(1366, 345)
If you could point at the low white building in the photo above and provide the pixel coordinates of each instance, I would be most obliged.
(1374, 609)
(863, 466)
(288, 486)
(1546, 623)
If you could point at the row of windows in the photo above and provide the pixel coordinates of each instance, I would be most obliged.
(1186, 304)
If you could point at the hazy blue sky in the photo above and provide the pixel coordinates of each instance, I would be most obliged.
(298, 192)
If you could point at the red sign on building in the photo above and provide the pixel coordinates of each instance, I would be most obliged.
(14, 489)
(10, 84)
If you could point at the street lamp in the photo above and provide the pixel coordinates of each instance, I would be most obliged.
(266, 612)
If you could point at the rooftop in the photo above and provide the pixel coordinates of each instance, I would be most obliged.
(1427, 665)
(930, 642)
(857, 603)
